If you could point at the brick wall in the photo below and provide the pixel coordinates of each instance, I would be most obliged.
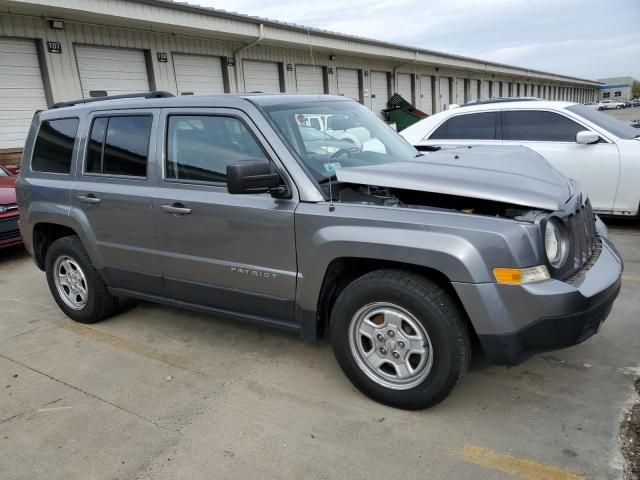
(10, 156)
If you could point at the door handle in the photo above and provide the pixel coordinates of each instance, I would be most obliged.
(89, 198)
(176, 209)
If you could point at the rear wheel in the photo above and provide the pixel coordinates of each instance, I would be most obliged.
(75, 284)
(400, 338)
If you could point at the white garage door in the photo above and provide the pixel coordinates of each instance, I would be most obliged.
(473, 89)
(484, 89)
(349, 83)
(426, 97)
(459, 91)
(506, 89)
(21, 90)
(403, 86)
(444, 94)
(261, 76)
(379, 91)
(198, 75)
(115, 70)
(309, 79)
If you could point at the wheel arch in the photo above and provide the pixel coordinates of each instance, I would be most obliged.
(343, 271)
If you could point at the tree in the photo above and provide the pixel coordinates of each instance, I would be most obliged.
(635, 89)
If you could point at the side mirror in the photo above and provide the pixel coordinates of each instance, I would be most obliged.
(253, 176)
(586, 136)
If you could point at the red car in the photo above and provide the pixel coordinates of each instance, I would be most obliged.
(9, 233)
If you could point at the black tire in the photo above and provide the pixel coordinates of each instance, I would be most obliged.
(430, 305)
(100, 303)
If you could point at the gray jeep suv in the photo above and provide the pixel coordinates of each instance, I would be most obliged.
(402, 260)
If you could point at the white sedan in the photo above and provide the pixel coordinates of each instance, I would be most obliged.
(597, 150)
(610, 105)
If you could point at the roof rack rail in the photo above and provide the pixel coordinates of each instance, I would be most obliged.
(71, 103)
(485, 101)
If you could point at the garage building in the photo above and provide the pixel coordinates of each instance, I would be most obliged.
(55, 50)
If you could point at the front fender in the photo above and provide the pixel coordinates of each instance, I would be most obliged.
(464, 248)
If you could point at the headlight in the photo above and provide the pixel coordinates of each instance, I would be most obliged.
(554, 243)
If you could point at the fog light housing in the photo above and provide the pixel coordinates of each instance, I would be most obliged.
(520, 276)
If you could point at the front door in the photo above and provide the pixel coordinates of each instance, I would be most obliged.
(112, 194)
(596, 167)
(234, 253)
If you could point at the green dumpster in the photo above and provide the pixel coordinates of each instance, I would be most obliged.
(402, 113)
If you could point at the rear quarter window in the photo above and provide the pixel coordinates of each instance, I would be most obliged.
(53, 149)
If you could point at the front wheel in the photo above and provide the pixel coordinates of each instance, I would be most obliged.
(400, 338)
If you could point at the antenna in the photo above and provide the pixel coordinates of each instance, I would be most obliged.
(332, 207)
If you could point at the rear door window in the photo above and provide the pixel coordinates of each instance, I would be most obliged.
(539, 126)
(473, 126)
(53, 149)
(119, 145)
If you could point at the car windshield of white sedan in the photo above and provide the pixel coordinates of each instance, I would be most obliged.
(330, 135)
(607, 122)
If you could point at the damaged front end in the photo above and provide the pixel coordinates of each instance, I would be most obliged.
(397, 197)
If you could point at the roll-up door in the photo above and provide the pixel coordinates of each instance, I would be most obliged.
(506, 89)
(198, 75)
(473, 89)
(261, 76)
(379, 91)
(114, 70)
(349, 83)
(484, 92)
(403, 86)
(310, 79)
(426, 98)
(21, 90)
(444, 94)
(459, 91)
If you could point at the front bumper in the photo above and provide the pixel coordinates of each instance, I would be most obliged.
(514, 321)
(9, 232)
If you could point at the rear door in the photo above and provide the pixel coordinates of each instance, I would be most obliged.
(113, 191)
(234, 253)
(481, 128)
(553, 135)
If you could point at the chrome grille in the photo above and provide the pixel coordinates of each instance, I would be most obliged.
(583, 234)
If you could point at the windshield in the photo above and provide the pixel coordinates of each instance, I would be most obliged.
(367, 140)
(605, 121)
(3, 173)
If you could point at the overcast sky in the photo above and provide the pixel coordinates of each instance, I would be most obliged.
(584, 38)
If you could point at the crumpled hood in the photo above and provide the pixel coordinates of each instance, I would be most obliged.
(7, 190)
(509, 174)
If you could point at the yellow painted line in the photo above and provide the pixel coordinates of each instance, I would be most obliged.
(133, 347)
(521, 467)
(632, 278)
